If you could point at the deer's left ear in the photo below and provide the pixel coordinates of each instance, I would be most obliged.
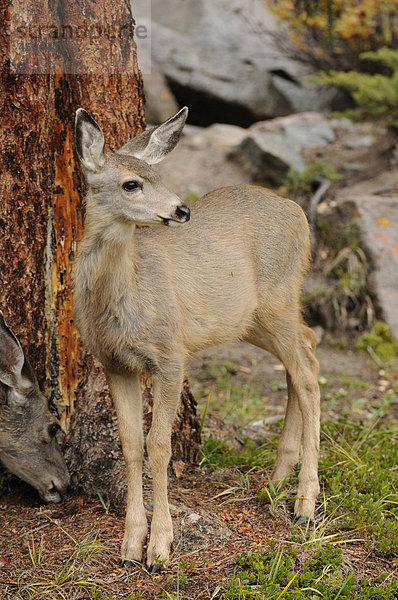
(153, 145)
(89, 141)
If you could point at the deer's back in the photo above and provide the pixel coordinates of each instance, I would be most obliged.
(237, 226)
(242, 245)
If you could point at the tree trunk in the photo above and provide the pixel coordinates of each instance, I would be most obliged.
(91, 63)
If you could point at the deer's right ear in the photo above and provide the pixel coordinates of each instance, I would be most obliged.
(89, 141)
(12, 357)
(154, 144)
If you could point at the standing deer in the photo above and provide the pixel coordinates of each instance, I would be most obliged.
(148, 298)
(28, 445)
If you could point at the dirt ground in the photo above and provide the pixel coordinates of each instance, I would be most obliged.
(209, 532)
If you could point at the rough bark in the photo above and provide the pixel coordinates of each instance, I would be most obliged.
(41, 212)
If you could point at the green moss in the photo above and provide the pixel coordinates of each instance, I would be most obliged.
(381, 341)
(191, 197)
(287, 573)
(296, 182)
(357, 467)
(314, 295)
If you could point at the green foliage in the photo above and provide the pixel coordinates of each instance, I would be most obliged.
(357, 467)
(105, 502)
(377, 94)
(334, 33)
(381, 341)
(36, 551)
(218, 454)
(191, 198)
(284, 573)
(222, 371)
(230, 399)
(301, 182)
(274, 495)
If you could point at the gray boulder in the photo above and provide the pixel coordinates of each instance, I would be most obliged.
(378, 216)
(160, 104)
(273, 147)
(374, 207)
(221, 59)
(304, 130)
(267, 157)
(220, 135)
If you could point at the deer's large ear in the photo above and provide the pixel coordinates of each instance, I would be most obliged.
(12, 357)
(153, 145)
(89, 141)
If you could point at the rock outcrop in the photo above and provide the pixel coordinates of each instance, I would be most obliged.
(376, 213)
(221, 59)
(271, 148)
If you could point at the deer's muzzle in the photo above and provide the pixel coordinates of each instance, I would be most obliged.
(183, 213)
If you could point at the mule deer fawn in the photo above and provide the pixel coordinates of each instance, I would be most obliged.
(148, 298)
(28, 445)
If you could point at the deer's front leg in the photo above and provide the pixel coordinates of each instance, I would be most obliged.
(126, 394)
(166, 395)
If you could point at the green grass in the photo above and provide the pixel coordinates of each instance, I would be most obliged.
(285, 573)
(230, 399)
(358, 475)
(358, 462)
(358, 507)
(358, 504)
(358, 470)
(358, 467)
(70, 581)
(217, 453)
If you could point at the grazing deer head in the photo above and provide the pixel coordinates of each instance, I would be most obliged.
(28, 445)
(148, 298)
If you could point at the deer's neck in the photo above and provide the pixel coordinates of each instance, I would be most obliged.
(106, 261)
(112, 309)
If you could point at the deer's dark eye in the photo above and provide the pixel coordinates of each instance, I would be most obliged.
(53, 429)
(130, 186)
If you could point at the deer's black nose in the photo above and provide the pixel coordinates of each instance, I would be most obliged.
(183, 212)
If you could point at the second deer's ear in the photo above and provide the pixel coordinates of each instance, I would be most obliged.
(12, 357)
(153, 145)
(89, 141)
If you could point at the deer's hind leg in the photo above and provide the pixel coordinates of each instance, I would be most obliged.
(289, 445)
(294, 344)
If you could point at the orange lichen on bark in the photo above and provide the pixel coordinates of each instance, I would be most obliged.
(66, 228)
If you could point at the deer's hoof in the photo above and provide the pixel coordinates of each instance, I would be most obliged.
(155, 568)
(129, 563)
(301, 520)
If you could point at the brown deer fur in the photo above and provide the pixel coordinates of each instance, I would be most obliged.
(148, 298)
